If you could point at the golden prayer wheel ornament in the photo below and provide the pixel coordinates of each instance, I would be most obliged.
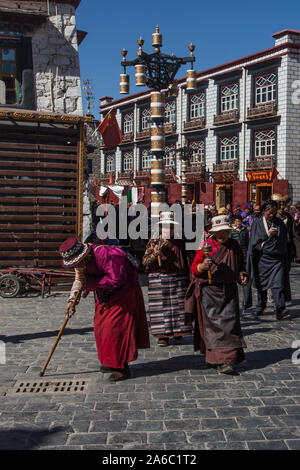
(157, 38)
(124, 83)
(124, 78)
(191, 82)
(140, 75)
(157, 105)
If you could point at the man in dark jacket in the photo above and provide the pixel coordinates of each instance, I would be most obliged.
(266, 259)
(240, 233)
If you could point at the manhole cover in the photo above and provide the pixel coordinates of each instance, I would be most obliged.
(46, 386)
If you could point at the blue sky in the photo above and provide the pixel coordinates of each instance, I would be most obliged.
(221, 31)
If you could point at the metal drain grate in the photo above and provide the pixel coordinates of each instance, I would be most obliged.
(47, 386)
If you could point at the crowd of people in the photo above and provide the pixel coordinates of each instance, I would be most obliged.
(252, 247)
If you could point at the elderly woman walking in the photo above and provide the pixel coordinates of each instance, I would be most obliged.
(166, 263)
(212, 298)
(120, 323)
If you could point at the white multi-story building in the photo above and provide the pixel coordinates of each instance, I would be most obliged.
(241, 125)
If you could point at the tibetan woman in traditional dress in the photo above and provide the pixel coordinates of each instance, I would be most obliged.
(166, 263)
(212, 298)
(120, 323)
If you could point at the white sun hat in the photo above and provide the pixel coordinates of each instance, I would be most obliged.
(166, 218)
(220, 222)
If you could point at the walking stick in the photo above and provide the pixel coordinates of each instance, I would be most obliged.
(72, 308)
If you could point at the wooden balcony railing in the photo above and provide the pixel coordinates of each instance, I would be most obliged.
(125, 178)
(261, 163)
(143, 177)
(198, 123)
(268, 109)
(225, 167)
(195, 172)
(170, 128)
(144, 134)
(106, 178)
(226, 118)
(128, 137)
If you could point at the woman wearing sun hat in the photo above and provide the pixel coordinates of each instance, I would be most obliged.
(120, 323)
(167, 265)
(213, 301)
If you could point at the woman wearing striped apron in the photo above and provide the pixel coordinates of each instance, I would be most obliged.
(166, 263)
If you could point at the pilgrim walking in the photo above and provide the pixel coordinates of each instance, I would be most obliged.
(267, 259)
(120, 323)
(166, 263)
(212, 298)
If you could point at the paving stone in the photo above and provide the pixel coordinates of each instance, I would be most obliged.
(205, 436)
(107, 426)
(244, 435)
(182, 425)
(167, 437)
(269, 411)
(234, 412)
(267, 445)
(293, 444)
(226, 446)
(281, 433)
(256, 422)
(145, 426)
(87, 438)
(218, 423)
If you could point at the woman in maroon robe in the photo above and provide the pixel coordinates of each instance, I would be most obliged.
(214, 304)
(120, 323)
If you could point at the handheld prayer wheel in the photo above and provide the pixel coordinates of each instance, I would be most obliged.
(206, 250)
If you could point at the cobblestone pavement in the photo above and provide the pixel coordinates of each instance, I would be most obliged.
(170, 403)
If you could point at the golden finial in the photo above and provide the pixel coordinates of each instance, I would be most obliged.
(192, 48)
(140, 42)
(124, 54)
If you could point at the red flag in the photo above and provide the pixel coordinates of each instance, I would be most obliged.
(110, 130)
(175, 178)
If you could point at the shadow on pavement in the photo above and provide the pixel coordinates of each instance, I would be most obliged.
(254, 360)
(44, 334)
(24, 439)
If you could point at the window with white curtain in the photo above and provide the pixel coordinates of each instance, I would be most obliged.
(265, 88)
(128, 123)
(229, 97)
(197, 105)
(170, 112)
(127, 161)
(229, 148)
(197, 149)
(265, 143)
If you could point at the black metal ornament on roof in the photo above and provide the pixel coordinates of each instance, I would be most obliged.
(157, 70)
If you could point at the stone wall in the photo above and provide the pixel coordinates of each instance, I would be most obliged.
(55, 56)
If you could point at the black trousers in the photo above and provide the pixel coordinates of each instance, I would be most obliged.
(278, 296)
